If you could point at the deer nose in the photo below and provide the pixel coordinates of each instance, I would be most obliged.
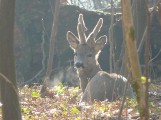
(79, 65)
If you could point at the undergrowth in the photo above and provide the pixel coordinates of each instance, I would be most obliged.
(63, 104)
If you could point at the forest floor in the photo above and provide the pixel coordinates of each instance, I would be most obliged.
(62, 103)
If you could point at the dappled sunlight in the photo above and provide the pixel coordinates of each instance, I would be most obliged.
(63, 103)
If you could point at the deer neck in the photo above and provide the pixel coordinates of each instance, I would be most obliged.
(86, 75)
(89, 73)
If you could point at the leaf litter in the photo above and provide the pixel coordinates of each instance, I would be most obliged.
(63, 103)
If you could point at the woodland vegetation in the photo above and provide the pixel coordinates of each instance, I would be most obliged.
(25, 42)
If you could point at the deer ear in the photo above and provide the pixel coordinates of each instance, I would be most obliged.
(72, 40)
(100, 43)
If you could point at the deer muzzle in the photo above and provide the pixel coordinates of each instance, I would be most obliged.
(79, 65)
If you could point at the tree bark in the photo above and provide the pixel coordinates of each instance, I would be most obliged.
(9, 92)
(140, 19)
(142, 25)
(130, 43)
(111, 39)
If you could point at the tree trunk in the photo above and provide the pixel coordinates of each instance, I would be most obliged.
(51, 49)
(141, 25)
(140, 19)
(9, 93)
(130, 43)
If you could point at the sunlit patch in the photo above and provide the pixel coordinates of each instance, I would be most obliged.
(1, 104)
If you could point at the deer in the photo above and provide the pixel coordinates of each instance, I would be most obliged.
(95, 83)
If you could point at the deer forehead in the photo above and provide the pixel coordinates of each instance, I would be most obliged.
(84, 49)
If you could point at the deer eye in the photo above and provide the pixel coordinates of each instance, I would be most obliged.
(90, 55)
(75, 54)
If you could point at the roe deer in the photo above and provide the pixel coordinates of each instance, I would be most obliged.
(95, 83)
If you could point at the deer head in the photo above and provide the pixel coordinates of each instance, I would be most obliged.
(86, 48)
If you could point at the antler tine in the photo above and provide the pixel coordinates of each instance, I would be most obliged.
(81, 28)
(97, 27)
(81, 21)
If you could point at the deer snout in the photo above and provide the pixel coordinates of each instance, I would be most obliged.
(79, 65)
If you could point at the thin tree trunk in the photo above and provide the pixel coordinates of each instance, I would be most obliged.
(142, 25)
(140, 19)
(147, 57)
(51, 49)
(130, 42)
(111, 40)
(9, 93)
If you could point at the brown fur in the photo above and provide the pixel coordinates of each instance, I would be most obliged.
(95, 83)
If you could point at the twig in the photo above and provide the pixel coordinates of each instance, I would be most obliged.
(142, 40)
(8, 82)
(123, 101)
(155, 56)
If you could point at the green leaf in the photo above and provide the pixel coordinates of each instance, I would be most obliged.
(78, 118)
(60, 88)
(75, 88)
(151, 104)
(63, 105)
(103, 107)
(25, 110)
(74, 110)
(61, 85)
(35, 94)
(143, 79)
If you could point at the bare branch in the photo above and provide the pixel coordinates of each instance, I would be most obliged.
(8, 82)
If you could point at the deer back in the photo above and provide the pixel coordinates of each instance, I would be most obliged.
(106, 86)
